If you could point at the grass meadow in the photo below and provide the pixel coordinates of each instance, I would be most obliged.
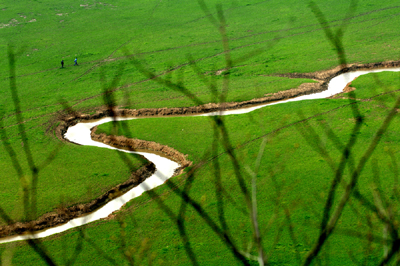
(265, 38)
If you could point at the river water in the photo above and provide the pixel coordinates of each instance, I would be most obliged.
(80, 134)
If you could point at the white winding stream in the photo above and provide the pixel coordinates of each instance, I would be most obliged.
(80, 134)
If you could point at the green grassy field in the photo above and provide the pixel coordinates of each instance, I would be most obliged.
(297, 170)
(163, 36)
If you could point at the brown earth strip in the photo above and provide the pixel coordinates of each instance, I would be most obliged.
(138, 145)
(348, 88)
(323, 78)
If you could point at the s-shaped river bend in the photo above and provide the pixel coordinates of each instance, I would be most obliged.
(80, 134)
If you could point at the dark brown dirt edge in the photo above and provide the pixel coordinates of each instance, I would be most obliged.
(125, 143)
(323, 78)
(64, 215)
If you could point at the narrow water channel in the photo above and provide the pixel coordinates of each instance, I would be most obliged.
(80, 134)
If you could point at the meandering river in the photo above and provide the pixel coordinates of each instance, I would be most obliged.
(80, 134)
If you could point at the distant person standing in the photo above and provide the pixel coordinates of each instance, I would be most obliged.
(76, 61)
(62, 63)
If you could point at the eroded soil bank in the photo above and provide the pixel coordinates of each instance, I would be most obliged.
(125, 143)
(322, 78)
(72, 118)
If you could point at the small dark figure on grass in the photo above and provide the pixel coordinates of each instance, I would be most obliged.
(62, 63)
(76, 62)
